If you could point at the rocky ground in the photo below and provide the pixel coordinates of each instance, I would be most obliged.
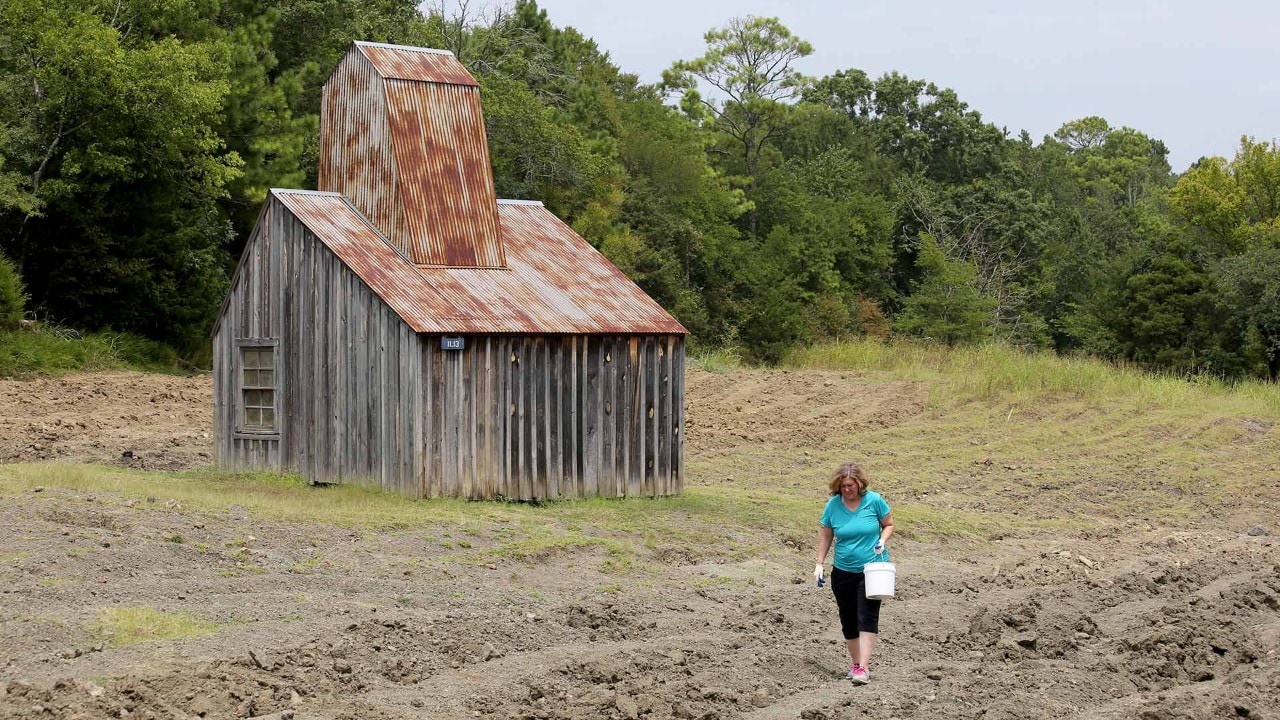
(1131, 620)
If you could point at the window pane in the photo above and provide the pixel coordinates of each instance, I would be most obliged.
(266, 378)
(251, 398)
(268, 418)
(250, 359)
(265, 359)
(252, 417)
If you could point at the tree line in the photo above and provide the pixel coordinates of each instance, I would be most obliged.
(763, 208)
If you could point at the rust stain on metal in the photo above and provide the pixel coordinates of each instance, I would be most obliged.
(413, 211)
(444, 177)
(355, 145)
(555, 281)
(403, 137)
(400, 62)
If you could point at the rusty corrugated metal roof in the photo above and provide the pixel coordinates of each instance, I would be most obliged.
(355, 145)
(401, 62)
(402, 135)
(444, 185)
(554, 282)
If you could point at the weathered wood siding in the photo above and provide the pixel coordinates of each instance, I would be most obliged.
(347, 368)
(361, 398)
(533, 417)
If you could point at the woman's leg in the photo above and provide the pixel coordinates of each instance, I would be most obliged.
(866, 645)
(868, 623)
(845, 586)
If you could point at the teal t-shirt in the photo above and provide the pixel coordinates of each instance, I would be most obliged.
(856, 532)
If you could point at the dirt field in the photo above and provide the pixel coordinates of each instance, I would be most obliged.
(1133, 618)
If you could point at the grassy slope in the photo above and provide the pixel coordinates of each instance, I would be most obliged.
(1007, 445)
(1066, 435)
(51, 350)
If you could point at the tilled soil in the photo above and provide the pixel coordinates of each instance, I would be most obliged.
(156, 422)
(316, 621)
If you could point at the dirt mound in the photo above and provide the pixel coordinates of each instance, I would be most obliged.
(140, 420)
(794, 408)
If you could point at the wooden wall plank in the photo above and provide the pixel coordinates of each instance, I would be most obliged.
(677, 457)
(506, 405)
(624, 358)
(528, 425)
(555, 413)
(409, 418)
(483, 410)
(665, 416)
(650, 416)
(638, 448)
(478, 413)
(436, 375)
(573, 477)
(540, 417)
(591, 405)
(520, 438)
(609, 427)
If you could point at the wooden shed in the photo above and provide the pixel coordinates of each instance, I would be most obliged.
(407, 329)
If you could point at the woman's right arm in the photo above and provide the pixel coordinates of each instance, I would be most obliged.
(825, 536)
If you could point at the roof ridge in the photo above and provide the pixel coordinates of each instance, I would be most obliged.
(504, 201)
(409, 48)
(293, 191)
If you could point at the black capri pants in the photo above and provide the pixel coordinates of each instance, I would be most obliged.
(857, 613)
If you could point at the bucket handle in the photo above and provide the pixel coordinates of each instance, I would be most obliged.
(876, 557)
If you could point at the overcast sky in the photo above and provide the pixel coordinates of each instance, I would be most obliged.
(1195, 73)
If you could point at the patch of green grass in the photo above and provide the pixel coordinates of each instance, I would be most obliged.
(307, 564)
(999, 372)
(718, 360)
(121, 626)
(52, 350)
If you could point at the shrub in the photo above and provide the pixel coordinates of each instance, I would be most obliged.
(13, 298)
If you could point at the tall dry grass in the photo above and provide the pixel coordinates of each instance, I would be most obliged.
(994, 371)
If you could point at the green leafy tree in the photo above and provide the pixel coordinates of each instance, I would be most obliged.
(684, 211)
(1164, 320)
(923, 128)
(946, 305)
(748, 68)
(1232, 205)
(1249, 291)
(113, 133)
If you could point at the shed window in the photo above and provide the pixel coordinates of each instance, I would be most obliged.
(258, 385)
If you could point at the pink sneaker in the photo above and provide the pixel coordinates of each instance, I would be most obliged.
(859, 675)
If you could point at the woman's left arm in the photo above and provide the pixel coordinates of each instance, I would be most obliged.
(886, 529)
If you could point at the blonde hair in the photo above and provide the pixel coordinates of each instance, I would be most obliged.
(846, 471)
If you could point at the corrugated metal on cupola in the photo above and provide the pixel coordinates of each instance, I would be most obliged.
(414, 117)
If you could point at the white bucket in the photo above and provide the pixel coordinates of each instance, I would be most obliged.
(879, 577)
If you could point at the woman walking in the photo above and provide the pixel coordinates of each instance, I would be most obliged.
(860, 523)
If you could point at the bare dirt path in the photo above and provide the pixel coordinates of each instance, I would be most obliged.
(1144, 621)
